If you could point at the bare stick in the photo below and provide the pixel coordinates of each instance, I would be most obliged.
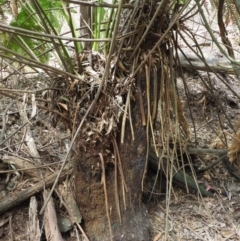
(11, 229)
(192, 150)
(34, 233)
(50, 220)
(220, 159)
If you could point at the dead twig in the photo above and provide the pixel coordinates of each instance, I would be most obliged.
(30, 169)
(220, 159)
(2, 223)
(120, 165)
(195, 150)
(125, 115)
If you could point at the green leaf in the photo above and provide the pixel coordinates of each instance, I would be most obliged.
(28, 19)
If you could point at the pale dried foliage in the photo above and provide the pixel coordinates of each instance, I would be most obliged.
(234, 147)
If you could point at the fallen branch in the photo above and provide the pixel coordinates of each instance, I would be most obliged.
(205, 168)
(219, 65)
(194, 150)
(13, 200)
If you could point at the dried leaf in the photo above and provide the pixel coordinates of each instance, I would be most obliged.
(121, 66)
(157, 237)
(63, 105)
(73, 84)
(234, 148)
(110, 126)
(14, 7)
(207, 176)
(227, 233)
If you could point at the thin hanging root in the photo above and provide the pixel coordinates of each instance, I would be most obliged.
(155, 90)
(139, 90)
(115, 180)
(125, 116)
(130, 119)
(120, 164)
(149, 120)
(75, 117)
(147, 127)
(106, 197)
(129, 105)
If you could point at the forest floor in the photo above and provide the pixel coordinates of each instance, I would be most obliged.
(188, 216)
(191, 217)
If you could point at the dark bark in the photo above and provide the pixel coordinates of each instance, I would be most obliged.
(90, 192)
(133, 154)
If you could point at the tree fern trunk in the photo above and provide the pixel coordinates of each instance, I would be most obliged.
(90, 190)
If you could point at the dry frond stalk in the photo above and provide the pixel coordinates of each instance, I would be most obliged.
(233, 153)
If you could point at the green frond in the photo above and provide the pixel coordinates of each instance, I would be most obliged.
(28, 19)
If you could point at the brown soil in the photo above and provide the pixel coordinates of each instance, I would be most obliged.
(189, 216)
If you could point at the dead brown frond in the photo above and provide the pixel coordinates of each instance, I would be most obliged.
(234, 155)
(220, 140)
